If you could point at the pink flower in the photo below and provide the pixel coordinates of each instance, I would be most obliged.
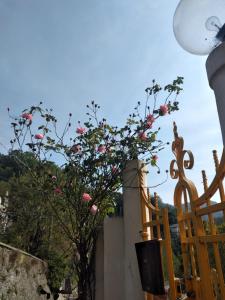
(27, 116)
(86, 197)
(164, 109)
(81, 130)
(54, 177)
(76, 149)
(102, 149)
(58, 190)
(114, 170)
(154, 160)
(39, 136)
(149, 125)
(155, 157)
(142, 135)
(94, 209)
(150, 118)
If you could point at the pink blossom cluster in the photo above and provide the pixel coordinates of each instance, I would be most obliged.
(142, 136)
(101, 148)
(80, 130)
(58, 191)
(86, 198)
(164, 109)
(94, 209)
(155, 158)
(76, 149)
(39, 136)
(114, 170)
(27, 116)
(150, 120)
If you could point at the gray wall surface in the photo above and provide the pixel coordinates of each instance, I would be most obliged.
(21, 274)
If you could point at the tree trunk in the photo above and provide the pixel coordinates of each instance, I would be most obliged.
(83, 276)
(86, 275)
(82, 292)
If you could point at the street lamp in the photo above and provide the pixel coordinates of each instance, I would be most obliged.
(199, 25)
(199, 28)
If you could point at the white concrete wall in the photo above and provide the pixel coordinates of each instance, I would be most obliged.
(113, 259)
(132, 230)
(116, 253)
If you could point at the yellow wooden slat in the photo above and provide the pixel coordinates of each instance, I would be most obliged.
(152, 223)
(210, 209)
(185, 217)
(212, 238)
(169, 254)
(189, 240)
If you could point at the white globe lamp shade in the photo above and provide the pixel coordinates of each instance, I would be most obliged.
(199, 25)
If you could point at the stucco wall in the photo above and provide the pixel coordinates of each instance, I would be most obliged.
(20, 275)
(132, 228)
(117, 273)
(114, 259)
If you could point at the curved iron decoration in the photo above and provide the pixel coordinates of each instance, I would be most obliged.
(180, 164)
(177, 171)
(192, 231)
(180, 161)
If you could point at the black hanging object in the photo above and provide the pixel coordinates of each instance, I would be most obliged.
(221, 34)
(150, 267)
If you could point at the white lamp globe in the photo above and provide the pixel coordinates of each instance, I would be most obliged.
(199, 25)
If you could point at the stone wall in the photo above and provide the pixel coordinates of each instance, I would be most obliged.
(22, 276)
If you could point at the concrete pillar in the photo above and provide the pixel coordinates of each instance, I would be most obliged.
(132, 229)
(215, 66)
(113, 259)
(117, 274)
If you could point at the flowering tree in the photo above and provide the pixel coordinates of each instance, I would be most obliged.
(94, 156)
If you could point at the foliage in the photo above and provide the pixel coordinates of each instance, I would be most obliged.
(172, 214)
(30, 226)
(56, 270)
(81, 192)
(10, 167)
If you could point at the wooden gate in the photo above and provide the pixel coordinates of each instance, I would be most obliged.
(202, 240)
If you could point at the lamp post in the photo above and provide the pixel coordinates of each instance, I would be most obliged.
(215, 66)
(199, 28)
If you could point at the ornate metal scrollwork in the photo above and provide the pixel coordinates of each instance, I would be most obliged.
(174, 173)
(180, 154)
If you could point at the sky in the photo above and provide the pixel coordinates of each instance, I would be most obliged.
(69, 52)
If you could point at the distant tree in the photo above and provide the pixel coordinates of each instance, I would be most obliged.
(15, 164)
(31, 225)
(171, 209)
